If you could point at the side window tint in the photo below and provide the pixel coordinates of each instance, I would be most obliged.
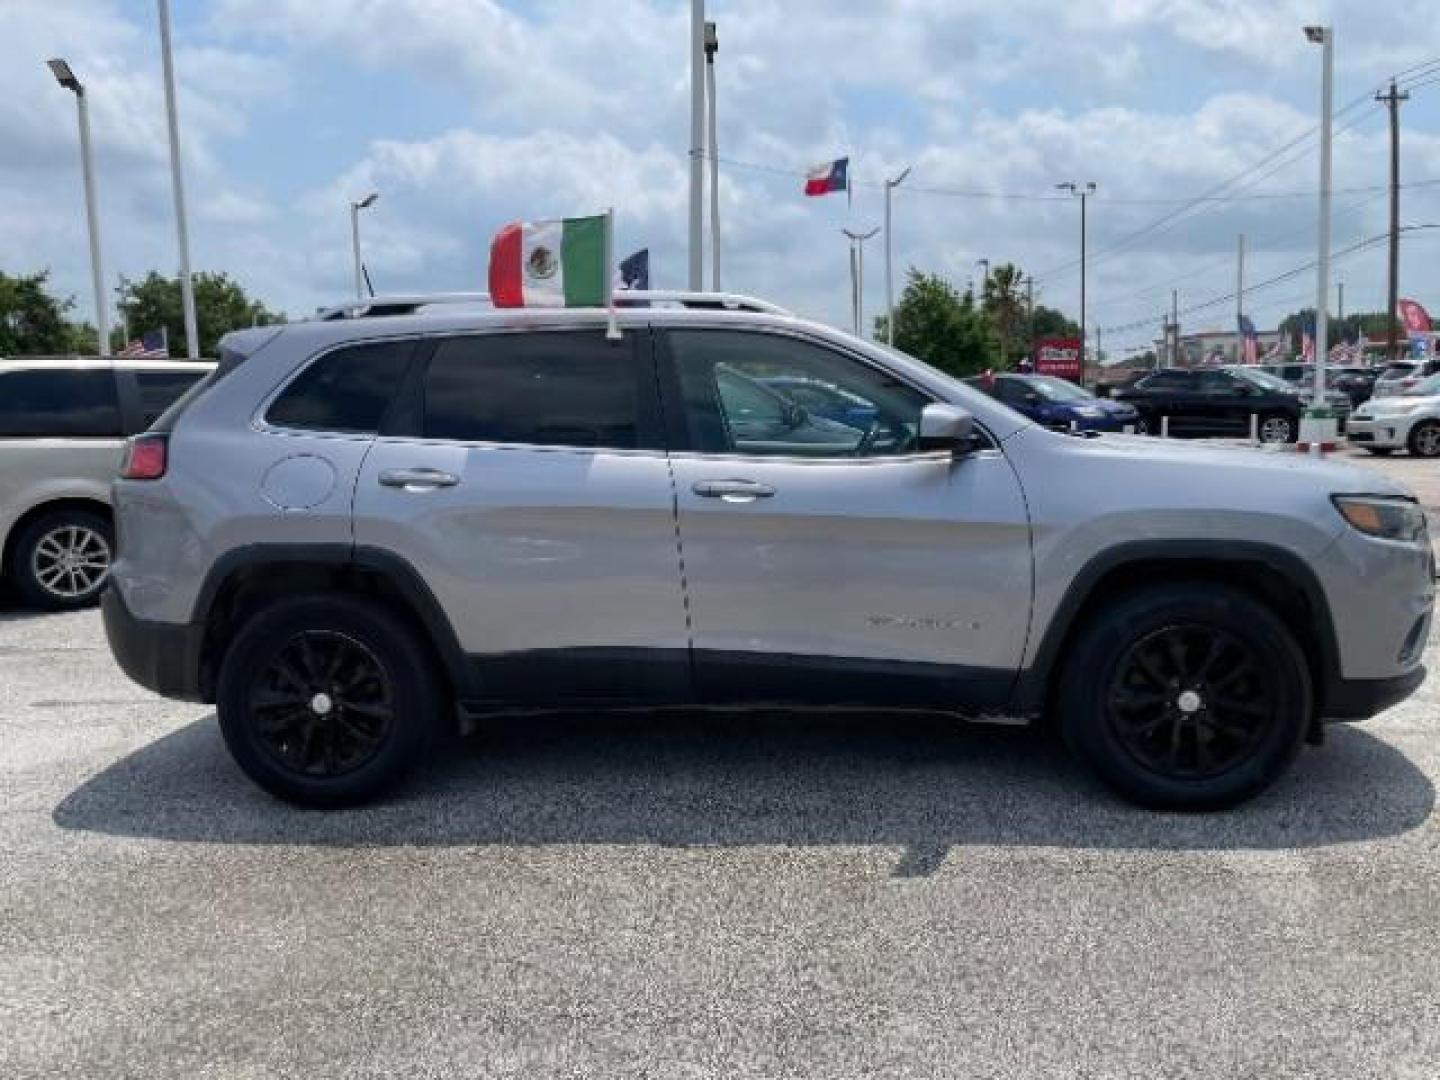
(160, 389)
(347, 390)
(539, 389)
(60, 403)
(767, 394)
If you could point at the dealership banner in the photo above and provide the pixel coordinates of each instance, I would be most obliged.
(1415, 317)
(1058, 356)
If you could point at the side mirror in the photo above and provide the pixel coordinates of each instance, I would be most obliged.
(946, 427)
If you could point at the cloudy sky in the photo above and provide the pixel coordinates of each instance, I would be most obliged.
(465, 114)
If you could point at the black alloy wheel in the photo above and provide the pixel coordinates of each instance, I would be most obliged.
(1189, 701)
(328, 700)
(323, 705)
(1185, 696)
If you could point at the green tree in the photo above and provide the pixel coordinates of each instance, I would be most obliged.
(940, 326)
(221, 305)
(32, 322)
(1004, 308)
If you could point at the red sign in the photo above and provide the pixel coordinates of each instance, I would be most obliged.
(1058, 356)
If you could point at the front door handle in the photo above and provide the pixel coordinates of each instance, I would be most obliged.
(418, 479)
(733, 491)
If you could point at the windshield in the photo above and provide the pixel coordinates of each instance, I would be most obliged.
(1053, 389)
(1263, 379)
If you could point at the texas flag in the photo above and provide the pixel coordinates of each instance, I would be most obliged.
(831, 176)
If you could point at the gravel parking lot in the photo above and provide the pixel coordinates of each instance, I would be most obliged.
(679, 896)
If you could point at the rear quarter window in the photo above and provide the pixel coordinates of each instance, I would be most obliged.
(347, 390)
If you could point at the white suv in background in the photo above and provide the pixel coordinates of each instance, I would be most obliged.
(63, 424)
(1409, 421)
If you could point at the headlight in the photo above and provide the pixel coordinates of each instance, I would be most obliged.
(1385, 517)
(1090, 412)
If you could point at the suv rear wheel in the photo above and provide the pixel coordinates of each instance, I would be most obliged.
(59, 560)
(327, 701)
(1186, 697)
(1425, 439)
(1277, 428)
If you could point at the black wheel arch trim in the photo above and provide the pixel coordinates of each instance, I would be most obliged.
(397, 572)
(1033, 683)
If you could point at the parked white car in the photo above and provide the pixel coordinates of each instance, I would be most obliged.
(1409, 421)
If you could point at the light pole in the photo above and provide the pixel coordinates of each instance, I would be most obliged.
(66, 78)
(712, 46)
(857, 274)
(697, 143)
(177, 182)
(890, 186)
(1084, 193)
(1323, 425)
(355, 208)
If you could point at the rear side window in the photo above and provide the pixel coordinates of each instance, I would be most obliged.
(59, 403)
(347, 390)
(1166, 380)
(161, 389)
(540, 389)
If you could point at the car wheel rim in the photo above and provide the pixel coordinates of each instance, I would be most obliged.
(323, 705)
(70, 563)
(1275, 429)
(1190, 702)
(1427, 441)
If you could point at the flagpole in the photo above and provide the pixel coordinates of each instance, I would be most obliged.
(712, 46)
(697, 147)
(177, 182)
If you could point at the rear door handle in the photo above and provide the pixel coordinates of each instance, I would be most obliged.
(733, 491)
(418, 479)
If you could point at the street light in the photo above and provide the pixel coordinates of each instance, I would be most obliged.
(177, 184)
(355, 208)
(857, 273)
(712, 46)
(1083, 193)
(1319, 421)
(890, 186)
(66, 78)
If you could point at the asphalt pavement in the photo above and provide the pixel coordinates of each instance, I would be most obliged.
(673, 896)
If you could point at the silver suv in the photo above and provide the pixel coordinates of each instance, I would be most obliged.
(364, 529)
(63, 422)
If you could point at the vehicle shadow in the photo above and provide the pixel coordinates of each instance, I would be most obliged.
(915, 782)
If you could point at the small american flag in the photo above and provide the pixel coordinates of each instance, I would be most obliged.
(152, 345)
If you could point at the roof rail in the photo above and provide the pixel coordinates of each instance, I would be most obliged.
(408, 304)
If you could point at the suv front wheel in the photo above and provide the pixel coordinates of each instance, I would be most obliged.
(1186, 697)
(327, 701)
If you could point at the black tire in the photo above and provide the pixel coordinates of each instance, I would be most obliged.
(1380, 451)
(1123, 677)
(37, 566)
(284, 657)
(1145, 425)
(1274, 422)
(1424, 441)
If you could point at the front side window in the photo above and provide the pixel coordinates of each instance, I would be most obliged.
(539, 389)
(1167, 380)
(739, 397)
(347, 390)
(63, 403)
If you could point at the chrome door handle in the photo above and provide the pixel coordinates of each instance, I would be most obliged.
(734, 491)
(418, 479)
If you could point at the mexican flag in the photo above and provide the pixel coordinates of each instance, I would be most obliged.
(551, 263)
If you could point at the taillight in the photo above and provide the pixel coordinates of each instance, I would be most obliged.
(145, 458)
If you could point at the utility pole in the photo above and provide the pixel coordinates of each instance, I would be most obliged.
(697, 144)
(712, 46)
(1239, 297)
(1174, 327)
(1392, 101)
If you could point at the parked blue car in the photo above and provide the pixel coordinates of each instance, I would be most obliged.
(1056, 403)
(823, 399)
